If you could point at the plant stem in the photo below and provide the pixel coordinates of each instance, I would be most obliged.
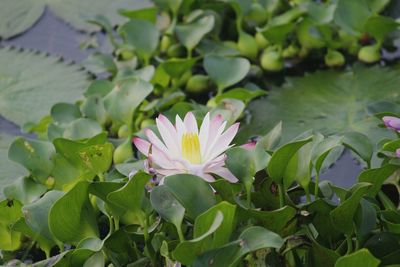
(101, 177)
(248, 196)
(116, 223)
(281, 195)
(308, 197)
(316, 187)
(26, 253)
(349, 244)
(180, 234)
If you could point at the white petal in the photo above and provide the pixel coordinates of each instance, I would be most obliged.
(166, 172)
(191, 123)
(226, 174)
(153, 138)
(142, 145)
(207, 177)
(212, 141)
(223, 141)
(161, 159)
(180, 128)
(168, 134)
(204, 132)
(215, 163)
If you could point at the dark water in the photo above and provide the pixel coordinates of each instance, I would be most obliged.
(51, 35)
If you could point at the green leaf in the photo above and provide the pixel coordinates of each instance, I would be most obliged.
(50, 81)
(187, 251)
(335, 103)
(176, 67)
(24, 189)
(126, 96)
(275, 220)
(242, 94)
(322, 150)
(223, 233)
(187, 189)
(167, 206)
(191, 34)
(320, 255)
(360, 258)
(149, 14)
(271, 140)
(10, 212)
(81, 129)
(365, 218)
(376, 177)
(360, 144)
(9, 170)
(342, 215)
(142, 35)
(13, 23)
(130, 197)
(37, 213)
(352, 15)
(64, 113)
(252, 239)
(97, 158)
(99, 63)
(226, 71)
(278, 162)
(72, 218)
(35, 156)
(379, 27)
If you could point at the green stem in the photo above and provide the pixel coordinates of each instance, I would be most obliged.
(220, 90)
(180, 233)
(116, 223)
(26, 253)
(349, 244)
(101, 177)
(190, 51)
(248, 196)
(281, 196)
(146, 230)
(316, 187)
(111, 223)
(308, 197)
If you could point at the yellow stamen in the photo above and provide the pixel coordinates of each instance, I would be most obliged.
(191, 148)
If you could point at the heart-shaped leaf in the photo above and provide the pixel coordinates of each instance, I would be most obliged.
(226, 71)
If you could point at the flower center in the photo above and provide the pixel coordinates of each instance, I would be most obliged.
(191, 148)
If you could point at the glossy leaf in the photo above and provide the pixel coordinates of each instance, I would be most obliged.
(360, 144)
(342, 216)
(10, 212)
(187, 251)
(360, 258)
(278, 162)
(24, 189)
(71, 218)
(252, 239)
(226, 71)
(35, 156)
(191, 34)
(126, 96)
(187, 189)
(142, 35)
(376, 177)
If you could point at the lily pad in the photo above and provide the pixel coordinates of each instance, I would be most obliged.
(327, 101)
(31, 83)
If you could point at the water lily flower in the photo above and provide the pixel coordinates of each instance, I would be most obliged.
(183, 148)
(392, 122)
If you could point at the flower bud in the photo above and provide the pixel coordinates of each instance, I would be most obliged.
(392, 123)
(247, 45)
(123, 152)
(261, 41)
(334, 59)
(198, 84)
(271, 61)
(369, 54)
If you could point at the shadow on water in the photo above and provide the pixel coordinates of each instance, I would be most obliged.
(53, 36)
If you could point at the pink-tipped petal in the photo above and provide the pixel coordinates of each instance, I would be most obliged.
(398, 152)
(249, 145)
(225, 174)
(165, 172)
(190, 123)
(142, 145)
(223, 142)
(215, 163)
(392, 122)
(153, 138)
(168, 134)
